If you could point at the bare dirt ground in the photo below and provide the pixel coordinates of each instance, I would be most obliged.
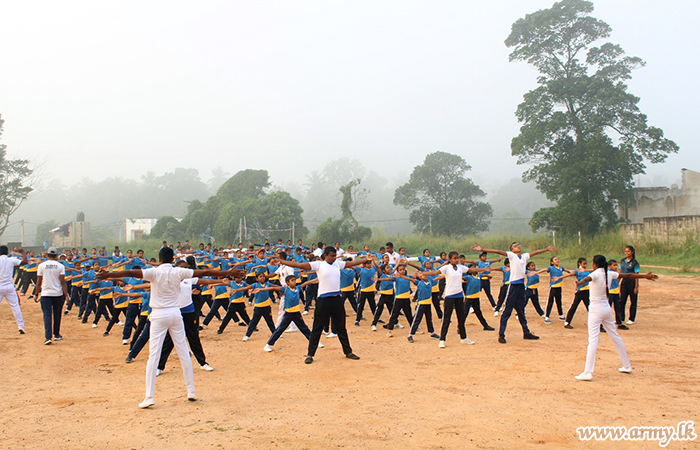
(79, 393)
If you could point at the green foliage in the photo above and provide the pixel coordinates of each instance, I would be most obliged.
(15, 176)
(443, 201)
(43, 232)
(167, 228)
(332, 231)
(570, 120)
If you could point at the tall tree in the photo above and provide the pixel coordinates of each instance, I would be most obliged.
(582, 131)
(15, 177)
(443, 201)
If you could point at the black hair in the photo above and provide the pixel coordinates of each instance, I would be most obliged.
(166, 255)
(3, 250)
(283, 255)
(452, 254)
(634, 254)
(320, 244)
(191, 262)
(551, 260)
(482, 254)
(137, 267)
(580, 260)
(611, 261)
(328, 250)
(383, 267)
(425, 250)
(529, 263)
(389, 244)
(599, 260)
(289, 278)
(506, 262)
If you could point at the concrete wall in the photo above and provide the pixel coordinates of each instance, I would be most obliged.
(73, 234)
(677, 228)
(654, 202)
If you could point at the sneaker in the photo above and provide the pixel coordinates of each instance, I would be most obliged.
(242, 324)
(622, 326)
(568, 327)
(308, 360)
(467, 341)
(352, 356)
(21, 331)
(630, 322)
(191, 397)
(364, 318)
(305, 313)
(105, 334)
(389, 333)
(294, 330)
(94, 325)
(381, 321)
(245, 338)
(562, 318)
(200, 328)
(471, 310)
(128, 359)
(584, 376)
(320, 345)
(65, 313)
(374, 328)
(495, 314)
(357, 324)
(530, 337)
(331, 335)
(207, 367)
(441, 344)
(625, 369)
(434, 336)
(158, 372)
(147, 402)
(219, 332)
(410, 339)
(267, 348)
(489, 328)
(547, 321)
(125, 341)
(502, 339)
(398, 325)
(47, 342)
(58, 338)
(602, 329)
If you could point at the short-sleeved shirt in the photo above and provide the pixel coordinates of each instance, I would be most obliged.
(328, 277)
(165, 284)
(51, 271)
(517, 267)
(629, 266)
(453, 279)
(555, 272)
(7, 266)
(597, 285)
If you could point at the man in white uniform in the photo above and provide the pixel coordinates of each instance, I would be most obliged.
(165, 316)
(7, 288)
(52, 292)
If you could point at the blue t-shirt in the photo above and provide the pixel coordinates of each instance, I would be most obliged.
(424, 291)
(261, 296)
(473, 285)
(580, 275)
(506, 274)
(347, 278)
(366, 276)
(483, 265)
(291, 297)
(553, 273)
(402, 286)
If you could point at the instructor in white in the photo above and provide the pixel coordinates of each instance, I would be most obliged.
(7, 288)
(165, 316)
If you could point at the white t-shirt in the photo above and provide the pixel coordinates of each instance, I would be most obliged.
(328, 277)
(318, 252)
(393, 257)
(165, 284)
(51, 271)
(597, 284)
(453, 279)
(517, 266)
(7, 266)
(185, 297)
(339, 251)
(284, 272)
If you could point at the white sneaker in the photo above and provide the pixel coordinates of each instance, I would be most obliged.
(547, 321)
(94, 325)
(625, 369)
(304, 313)
(389, 333)
(584, 376)
(147, 402)
(191, 397)
(120, 323)
(267, 348)
(291, 330)
(320, 345)
(562, 318)
(495, 314)
(374, 328)
(467, 341)
(630, 322)
(471, 310)
(245, 338)
(398, 325)
(158, 372)
(331, 335)
(441, 344)
(207, 367)
(125, 341)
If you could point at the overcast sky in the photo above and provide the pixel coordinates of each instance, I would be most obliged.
(120, 88)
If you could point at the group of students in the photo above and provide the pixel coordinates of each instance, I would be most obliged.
(299, 277)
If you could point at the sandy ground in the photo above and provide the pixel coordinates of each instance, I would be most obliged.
(79, 393)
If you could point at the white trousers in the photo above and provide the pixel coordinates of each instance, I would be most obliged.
(164, 320)
(8, 291)
(280, 313)
(601, 313)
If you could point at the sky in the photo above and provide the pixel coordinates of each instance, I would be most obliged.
(97, 89)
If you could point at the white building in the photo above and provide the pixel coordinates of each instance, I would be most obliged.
(135, 228)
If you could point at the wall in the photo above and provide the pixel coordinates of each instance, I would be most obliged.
(657, 202)
(677, 228)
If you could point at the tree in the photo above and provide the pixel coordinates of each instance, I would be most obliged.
(443, 201)
(43, 232)
(15, 175)
(582, 131)
(167, 228)
(347, 228)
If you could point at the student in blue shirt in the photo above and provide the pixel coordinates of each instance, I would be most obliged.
(483, 263)
(472, 293)
(402, 297)
(532, 283)
(386, 294)
(221, 299)
(555, 271)
(262, 310)
(367, 273)
(424, 296)
(582, 292)
(237, 293)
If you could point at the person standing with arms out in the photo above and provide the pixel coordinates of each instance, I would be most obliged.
(600, 313)
(516, 291)
(51, 290)
(329, 304)
(165, 316)
(485, 278)
(629, 287)
(614, 296)
(7, 288)
(555, 271)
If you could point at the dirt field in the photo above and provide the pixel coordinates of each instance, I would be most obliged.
(79, 393)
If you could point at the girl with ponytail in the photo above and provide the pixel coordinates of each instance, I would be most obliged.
(629, 288)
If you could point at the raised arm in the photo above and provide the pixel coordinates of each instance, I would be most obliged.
(478, 248)
(548, 249)
(648, 276)
(133, 273)
(297, 265)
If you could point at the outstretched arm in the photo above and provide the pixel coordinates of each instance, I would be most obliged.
(548, 249)
(648, 276)
(133, 273)
(478, 248)
(297, 265)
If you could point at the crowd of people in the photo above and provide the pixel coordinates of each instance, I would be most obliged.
(163, 300)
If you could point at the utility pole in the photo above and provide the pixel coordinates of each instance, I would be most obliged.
(430, 219)
(21, 233)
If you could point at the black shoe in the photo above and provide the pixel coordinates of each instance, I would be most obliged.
(241, 324)
(352, 356)
(80, 317)
(602, 329)
(128, 359)
(21, 331)
(502, 339)
(219, 332)
(309, 360)
(200, 328)
(380, 321)
(489, 328)
(105, 334)
(385, 326)
(357, 324)
(65, 313)
(568, 327)
(622, 326)
(530, 337)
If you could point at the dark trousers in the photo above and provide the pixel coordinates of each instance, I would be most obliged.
(260, 313)
(27, 280)
(287, 319)
(475, 304)
(143, 321)
(140, 342)
(384, 299)
(198, 302)
(534, 296)
(51, 307)
(627, 290)
(436, 304)
(132, 312)
(422, 310)
(116, 312)
(192, 334)
(400, 304)
(104, 304)
(332, 308)
(234, 311)
(502, 296)
(310, 295)
(90, 306)
(514, 300)
(83, 302)
(580, 296)
(365, 297)
(486, 287)
(614, 300)
(74, 297)
(218, 303)
(554, 296)
(350, 296)
(455, 304)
